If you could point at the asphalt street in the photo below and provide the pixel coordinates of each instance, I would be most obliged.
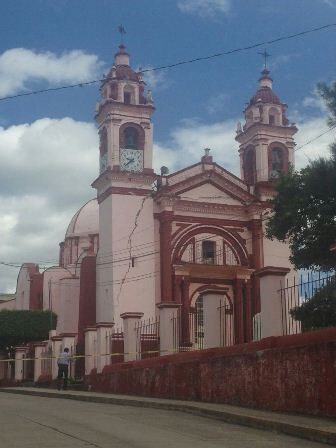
(36, 422)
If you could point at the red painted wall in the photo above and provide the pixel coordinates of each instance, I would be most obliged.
(289, 373)
(36, 292)
(87, 298)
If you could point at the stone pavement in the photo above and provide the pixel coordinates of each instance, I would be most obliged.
(321, 430)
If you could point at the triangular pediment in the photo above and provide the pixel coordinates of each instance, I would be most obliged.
(213, 184)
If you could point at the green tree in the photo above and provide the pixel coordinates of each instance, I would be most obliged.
(319, 311)
(20, 327)
(305, 205)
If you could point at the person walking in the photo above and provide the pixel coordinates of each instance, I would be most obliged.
(63, 362)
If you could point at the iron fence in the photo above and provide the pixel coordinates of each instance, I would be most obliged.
(226, 324)
(297, 294)
(46, 362)
(188, 330)
(117, 345)
(148, 338)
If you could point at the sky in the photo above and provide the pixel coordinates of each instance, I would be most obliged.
(48, 142)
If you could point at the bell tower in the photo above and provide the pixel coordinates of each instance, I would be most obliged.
(124, 193)
(266, 144)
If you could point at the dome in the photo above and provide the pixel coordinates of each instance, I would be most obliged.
(85, 221)
(266, 95)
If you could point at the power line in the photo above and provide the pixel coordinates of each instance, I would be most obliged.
(177, 64)
(315, 138)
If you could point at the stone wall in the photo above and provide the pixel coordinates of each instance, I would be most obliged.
(294, 373)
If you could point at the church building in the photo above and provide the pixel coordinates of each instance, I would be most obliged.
(186, 240)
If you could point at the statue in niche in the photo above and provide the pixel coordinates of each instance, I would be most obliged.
(277, 163)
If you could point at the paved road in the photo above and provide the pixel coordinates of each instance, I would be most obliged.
(35, 422)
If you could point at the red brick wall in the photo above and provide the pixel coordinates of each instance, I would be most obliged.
(290, 373)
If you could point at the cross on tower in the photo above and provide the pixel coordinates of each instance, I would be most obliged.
(122, 31)
(265, 56)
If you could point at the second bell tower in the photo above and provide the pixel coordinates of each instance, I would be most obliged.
(124, 192)
(266, 139)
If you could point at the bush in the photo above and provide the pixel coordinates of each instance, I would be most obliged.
(21, 327)
(319, 311)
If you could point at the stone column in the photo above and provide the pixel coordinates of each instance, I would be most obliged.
(270, 299)
(185, 312)
(211, 322)
(19, 368)
(249, 317)
(257, 235)
(56, 348)
(130, 335)
(169, 327)
(238, 311)
(38, 349)
(90, 349)
(165, 253)
(104, 332)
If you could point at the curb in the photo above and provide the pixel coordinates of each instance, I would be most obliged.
(269, 424)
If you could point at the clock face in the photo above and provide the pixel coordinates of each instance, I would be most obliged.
(131, 160)
(103, 163)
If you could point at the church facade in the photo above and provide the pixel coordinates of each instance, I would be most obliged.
(150, 243)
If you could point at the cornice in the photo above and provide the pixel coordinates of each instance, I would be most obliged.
(111, 176)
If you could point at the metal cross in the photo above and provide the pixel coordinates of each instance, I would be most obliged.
(265, 55)
(122, 31)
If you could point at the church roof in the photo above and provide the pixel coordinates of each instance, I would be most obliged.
(265, 95)
(85, 221)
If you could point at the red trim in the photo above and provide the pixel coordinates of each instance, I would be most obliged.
(237, 244)
(272, 270)
(211, 288)
(214, 221)
(212, 182)
(181, 226)
(183, 170)
(212, 280)
(166, 218)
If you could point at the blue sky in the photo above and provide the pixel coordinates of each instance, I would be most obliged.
(45, 138)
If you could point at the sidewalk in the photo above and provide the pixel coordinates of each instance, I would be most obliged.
(311, 428)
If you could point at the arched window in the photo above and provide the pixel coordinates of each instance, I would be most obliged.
(250, 167)
(129, 96)
(274, 117)
(277, 163)
(131, 138)
(103, 159)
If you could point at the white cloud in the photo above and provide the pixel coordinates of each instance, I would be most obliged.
(205, 8)
(331, 3)
(282, 60)
(315, 101)
(309, 129)
(188, 141)
(20, 66)
(155, 80)
(45, 175)
(217, 103)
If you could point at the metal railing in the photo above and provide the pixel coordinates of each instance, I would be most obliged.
(226, 324)
(117, 345)
(46, 362)
(148, 338)
(296, 294)
(188, 331)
